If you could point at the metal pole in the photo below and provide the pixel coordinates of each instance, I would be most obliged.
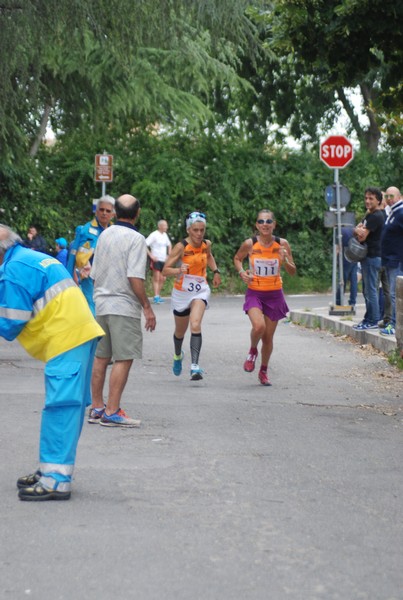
(104, 183)
(334, 269)
(339, 236)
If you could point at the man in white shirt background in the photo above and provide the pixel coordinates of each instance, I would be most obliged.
(159, 246)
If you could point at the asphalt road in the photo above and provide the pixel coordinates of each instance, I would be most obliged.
(229, 490)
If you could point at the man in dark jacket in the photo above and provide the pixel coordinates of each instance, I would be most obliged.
(392, 249)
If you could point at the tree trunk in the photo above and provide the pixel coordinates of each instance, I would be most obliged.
(41, 131)
(369, 138)
(372, 134)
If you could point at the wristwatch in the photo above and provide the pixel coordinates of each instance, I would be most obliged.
(217, 271)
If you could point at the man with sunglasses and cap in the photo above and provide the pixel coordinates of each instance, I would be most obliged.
(83, 247)
(188, 263)
(264, 303)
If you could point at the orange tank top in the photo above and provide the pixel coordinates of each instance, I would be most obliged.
(196, 258)
(264, 263)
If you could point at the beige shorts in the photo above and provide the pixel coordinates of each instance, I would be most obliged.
(123, 339)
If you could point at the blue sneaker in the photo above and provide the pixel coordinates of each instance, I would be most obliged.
(360, 326)
(371, 326)
(388, 330)
(119, 419)
(196, 373)
(95, 414)
(161, 300)
(177, 364)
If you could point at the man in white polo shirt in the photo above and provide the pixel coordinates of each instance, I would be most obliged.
(118, 271)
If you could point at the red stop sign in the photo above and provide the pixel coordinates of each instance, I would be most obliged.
(336, 151)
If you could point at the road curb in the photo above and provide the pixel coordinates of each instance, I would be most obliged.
(318, 319)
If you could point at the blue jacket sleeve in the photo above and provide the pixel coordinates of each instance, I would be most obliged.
(75, 244)
(15, 309)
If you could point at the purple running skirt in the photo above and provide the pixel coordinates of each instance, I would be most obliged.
(272, 304)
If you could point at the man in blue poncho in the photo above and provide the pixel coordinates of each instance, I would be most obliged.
(84, 244)
(43, 308)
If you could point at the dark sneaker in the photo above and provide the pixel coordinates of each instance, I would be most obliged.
(119, 419)
(95, 414)
(196, 373)
(370, 326)
(264, 380)
(360, 326)
(249, 364)
(177, 364)
(38, 492)
(28, 480)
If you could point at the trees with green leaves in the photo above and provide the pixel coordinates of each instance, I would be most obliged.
(112, 62)
(316, 52)
(172, 174)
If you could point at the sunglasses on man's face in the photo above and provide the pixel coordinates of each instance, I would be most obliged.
(263, 221)
(106, 210)
(386, 196)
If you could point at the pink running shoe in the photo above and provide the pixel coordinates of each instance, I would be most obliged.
(264, 380)
(249, 364)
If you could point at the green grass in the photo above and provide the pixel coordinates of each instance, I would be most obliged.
(395, 359)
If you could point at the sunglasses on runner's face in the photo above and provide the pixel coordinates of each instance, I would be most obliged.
(263, 221)
(195, 215)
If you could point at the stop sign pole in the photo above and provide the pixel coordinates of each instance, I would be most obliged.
(336, 151)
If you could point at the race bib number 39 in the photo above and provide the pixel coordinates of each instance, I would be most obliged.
(265, 267)
(194, 284)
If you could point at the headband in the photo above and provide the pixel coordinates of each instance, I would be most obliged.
(195, 217)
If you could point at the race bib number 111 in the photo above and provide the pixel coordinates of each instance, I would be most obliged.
(265, 267)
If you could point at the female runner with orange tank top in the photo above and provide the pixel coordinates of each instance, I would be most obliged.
(264, 303)
(188, 262)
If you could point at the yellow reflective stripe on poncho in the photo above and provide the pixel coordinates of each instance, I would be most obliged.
(64, 322)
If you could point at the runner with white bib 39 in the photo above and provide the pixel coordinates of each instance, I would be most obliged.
(188, 263)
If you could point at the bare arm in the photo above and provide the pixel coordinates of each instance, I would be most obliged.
(239, 257)
(361, 232)
(211, 262)
(286, 258)
(170, 269)
(138, 288)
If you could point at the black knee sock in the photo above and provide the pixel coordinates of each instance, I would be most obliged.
(178, 345)
(195, 347)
